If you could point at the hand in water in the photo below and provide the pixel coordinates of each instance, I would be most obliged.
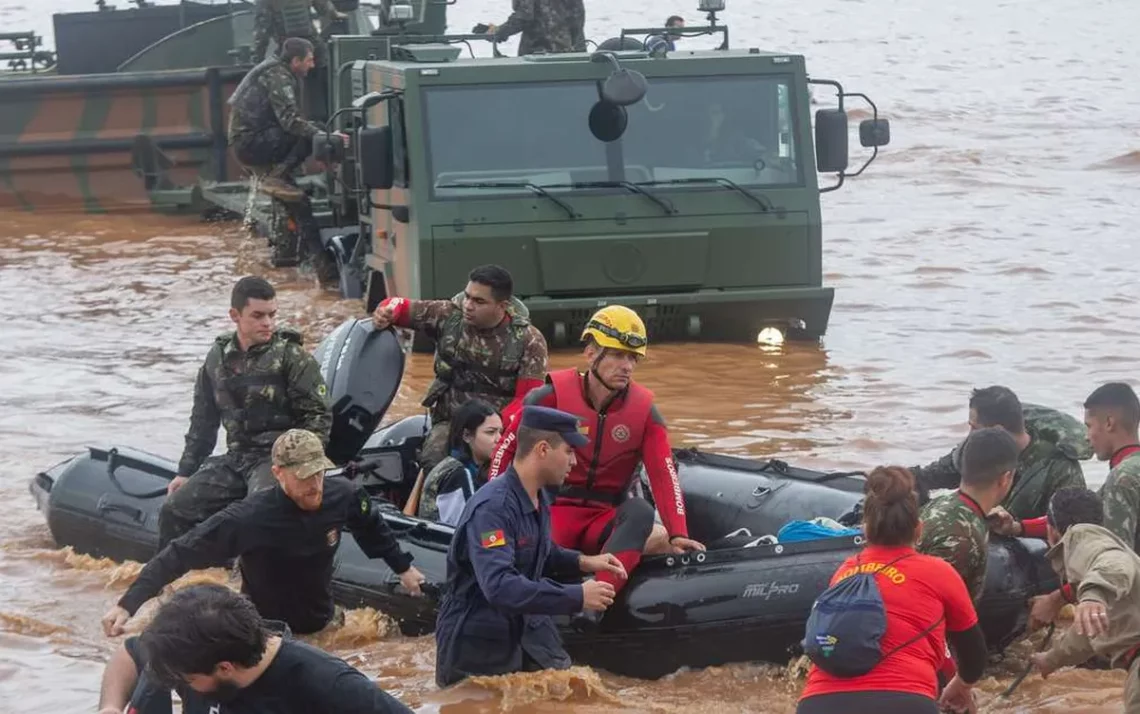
(605, 562)
(115, 621)
(1041, 664)
(958, 696)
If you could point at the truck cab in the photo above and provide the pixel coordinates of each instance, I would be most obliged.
(683, 184)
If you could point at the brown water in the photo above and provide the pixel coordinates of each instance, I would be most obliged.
(993, 242)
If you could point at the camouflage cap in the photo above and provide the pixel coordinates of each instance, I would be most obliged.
(301, 452)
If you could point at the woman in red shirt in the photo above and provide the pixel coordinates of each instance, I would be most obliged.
(925, 599)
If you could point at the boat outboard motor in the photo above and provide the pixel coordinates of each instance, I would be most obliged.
(362, 368)
(608, 118)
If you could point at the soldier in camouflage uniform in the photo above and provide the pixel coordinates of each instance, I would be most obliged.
(257, 382)
(1049, 459)
(279, 19)
(1112, 415)
(954, 525)
(546, 26)
(485, 347)
(267, 129)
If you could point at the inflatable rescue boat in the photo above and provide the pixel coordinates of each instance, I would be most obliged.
(745, 599)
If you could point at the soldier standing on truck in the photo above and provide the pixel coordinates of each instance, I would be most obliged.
(257, 382)
(1046, 461)
(546, 26)
(266, 129)
(485, 347)
(279, 19)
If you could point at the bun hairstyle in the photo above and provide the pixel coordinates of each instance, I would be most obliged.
(890, 511)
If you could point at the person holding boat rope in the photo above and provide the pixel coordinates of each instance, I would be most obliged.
(593, 511)
(1104, 572)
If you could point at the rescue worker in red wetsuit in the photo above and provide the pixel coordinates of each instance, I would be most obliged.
(594, 512)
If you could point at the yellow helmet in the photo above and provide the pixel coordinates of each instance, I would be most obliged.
(617, 327)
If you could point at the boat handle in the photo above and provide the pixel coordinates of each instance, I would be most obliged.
(106, 506)
(761, 491)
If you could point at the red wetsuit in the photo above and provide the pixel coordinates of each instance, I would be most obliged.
(627, 432)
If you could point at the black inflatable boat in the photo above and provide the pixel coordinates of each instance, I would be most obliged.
(743, 600)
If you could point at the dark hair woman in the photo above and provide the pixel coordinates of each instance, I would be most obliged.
(475, 429)
(925, 601)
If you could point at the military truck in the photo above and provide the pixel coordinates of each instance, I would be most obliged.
(679, 184)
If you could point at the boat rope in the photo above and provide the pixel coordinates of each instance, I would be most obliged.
(1029, 666)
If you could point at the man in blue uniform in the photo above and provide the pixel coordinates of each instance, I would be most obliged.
(499, 597)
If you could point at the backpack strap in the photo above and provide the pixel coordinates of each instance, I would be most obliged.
(916, 638)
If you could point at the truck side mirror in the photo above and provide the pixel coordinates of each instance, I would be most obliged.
(377, 164)
(875, 132)
(831, 140)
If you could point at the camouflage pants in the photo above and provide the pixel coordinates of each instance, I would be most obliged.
(434, 448)
(221, 481)
(273, 148)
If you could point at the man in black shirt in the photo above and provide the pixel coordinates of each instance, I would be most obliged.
(286, 538)
(210, 645)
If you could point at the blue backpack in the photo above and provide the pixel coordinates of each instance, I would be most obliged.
(846, 626)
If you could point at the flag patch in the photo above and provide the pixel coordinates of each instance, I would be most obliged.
(493, 539)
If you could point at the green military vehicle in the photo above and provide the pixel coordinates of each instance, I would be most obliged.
(679, 184)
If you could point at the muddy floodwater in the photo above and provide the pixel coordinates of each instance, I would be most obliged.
(994, 241)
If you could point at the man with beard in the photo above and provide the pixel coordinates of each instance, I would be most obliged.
(209, 644)
(285, 537)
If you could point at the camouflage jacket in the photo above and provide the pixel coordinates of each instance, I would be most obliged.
(265, 99)
(1121, 496)
(280, 19)
(256, 395)
(470, 362)
(1042, 468)
(954, 531)
(546, 26)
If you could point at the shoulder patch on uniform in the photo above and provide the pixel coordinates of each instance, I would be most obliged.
(493, 539)
(322, 390)
(290, 335)
(365, 504)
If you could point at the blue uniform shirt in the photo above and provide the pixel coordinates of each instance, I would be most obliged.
(499, 599)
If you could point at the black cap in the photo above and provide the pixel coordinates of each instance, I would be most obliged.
(556, 420)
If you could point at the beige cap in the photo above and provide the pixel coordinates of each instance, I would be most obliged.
(301, 452)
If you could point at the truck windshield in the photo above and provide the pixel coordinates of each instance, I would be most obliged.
(733, 127)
